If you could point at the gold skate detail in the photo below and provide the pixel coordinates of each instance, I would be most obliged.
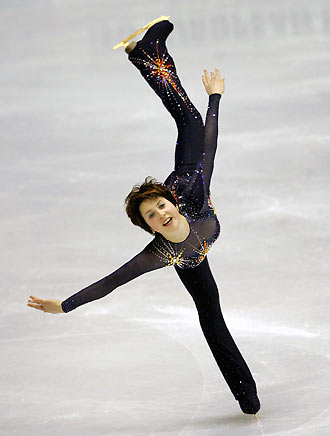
(125, 42)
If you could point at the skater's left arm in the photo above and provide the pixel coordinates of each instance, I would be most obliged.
(215, 87)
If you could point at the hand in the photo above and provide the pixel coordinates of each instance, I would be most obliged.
(51, 306)
(213, 85)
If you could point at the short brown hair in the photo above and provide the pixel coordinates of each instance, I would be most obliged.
(150, 188)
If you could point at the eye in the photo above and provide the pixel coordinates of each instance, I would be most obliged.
(162, 205)
(151, 215)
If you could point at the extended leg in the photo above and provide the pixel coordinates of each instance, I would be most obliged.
(201, 285)
(152, 59)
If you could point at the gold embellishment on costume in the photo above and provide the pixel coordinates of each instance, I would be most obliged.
(163, 71)
(211, 205)
(203, 252)
(169, 255)
(124, 42)
(174, 259)
(174, 194)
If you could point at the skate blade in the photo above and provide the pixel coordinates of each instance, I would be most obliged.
(124, 42)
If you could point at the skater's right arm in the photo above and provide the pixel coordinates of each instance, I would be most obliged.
(143, 262)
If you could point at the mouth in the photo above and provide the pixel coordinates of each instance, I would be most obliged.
(168, 222)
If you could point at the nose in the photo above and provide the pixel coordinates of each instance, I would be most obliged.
(162, 215)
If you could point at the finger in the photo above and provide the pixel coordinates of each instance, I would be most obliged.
(212, 75)
(217, 72)
(206, 81)
(34, 301)
(37, 300)
(35, 306)
(206, 75)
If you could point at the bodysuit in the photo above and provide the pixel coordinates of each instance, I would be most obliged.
(189, 183)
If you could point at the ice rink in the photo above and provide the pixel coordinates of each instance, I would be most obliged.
(80, 127)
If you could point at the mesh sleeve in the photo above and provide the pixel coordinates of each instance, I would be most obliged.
(210, 138)
(143, 262)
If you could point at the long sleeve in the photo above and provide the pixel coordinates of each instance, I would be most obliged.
(210, 138)
(143, 262)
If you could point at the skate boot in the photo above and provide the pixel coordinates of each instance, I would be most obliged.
(125, 42)
(250, 403)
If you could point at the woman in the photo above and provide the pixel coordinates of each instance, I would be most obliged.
(178, 212)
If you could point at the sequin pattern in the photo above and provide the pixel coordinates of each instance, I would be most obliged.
(187, 254)
(161, 71)
(196, 152)
(204, 230)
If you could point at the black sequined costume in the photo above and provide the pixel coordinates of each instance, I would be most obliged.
(190, 184)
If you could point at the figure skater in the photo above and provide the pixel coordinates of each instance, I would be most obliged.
(178, 213)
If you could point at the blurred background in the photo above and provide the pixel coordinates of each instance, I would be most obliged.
(80, 127)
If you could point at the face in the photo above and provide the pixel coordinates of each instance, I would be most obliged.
(161, 215)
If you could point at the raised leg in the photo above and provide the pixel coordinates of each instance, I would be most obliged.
(151, 57)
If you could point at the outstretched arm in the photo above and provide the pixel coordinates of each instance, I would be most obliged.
(214, 87)
(143, 262)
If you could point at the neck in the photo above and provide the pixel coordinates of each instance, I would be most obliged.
(181, 233)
